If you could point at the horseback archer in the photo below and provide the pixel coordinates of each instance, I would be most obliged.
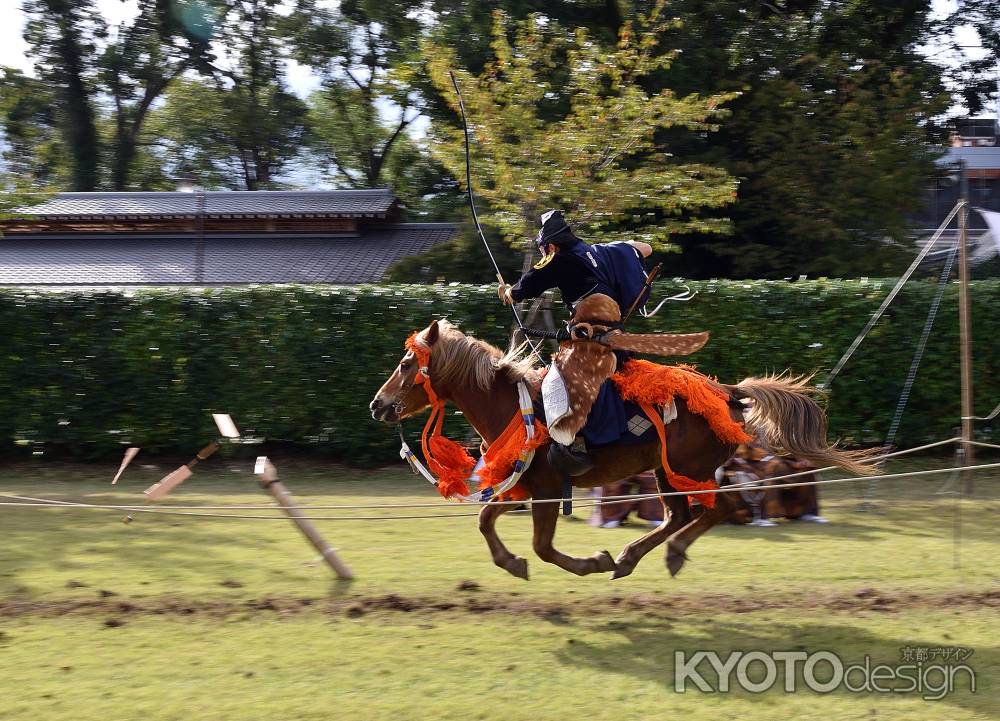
(596, 282)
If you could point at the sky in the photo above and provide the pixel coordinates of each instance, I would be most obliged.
(302, 80)
(13, 49)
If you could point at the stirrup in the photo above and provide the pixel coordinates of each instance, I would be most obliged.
(567, 460)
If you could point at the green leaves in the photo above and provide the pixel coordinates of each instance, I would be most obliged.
(560, 121)
(86, 373)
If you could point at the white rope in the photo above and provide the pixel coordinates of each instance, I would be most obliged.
(980, 443)
(889, 298)
(918, 353)
(437, 504)
(680, 297)
(725, 489)
(993, 414)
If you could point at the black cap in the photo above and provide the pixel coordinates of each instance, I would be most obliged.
(553, 225)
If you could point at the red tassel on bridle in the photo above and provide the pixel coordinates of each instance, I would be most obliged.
(446, 459)
(450, 462)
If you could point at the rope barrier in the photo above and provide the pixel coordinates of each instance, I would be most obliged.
(993, 414)
(918, 353)
(889, 298)
(981, 444)
(437, 504)
(46, 503)
(918, 356)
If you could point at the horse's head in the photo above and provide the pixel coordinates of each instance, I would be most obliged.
(403, 394)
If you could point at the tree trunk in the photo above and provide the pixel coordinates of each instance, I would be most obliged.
(79, 128)
(125, 149)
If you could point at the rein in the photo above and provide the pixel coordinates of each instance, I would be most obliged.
(452, 465)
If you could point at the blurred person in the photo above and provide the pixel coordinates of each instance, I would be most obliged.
(758, 505)
(612, 514)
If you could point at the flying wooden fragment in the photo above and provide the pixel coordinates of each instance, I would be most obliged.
(268, 475)
(224, 423)
(130, 454)
(169, 482)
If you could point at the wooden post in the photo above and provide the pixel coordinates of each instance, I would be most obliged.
(965, 327)
(269, 480)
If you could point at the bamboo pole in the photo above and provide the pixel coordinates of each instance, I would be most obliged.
(965, 328)
(269, 480)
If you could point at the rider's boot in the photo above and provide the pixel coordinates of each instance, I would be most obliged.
(571, 460)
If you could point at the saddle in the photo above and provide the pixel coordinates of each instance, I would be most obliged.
(588, 359)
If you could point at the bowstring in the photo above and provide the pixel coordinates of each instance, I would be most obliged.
(475, 218)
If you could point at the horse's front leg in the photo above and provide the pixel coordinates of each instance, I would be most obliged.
(502, 557)
(679, 542)
(545, 516)
(675, 517)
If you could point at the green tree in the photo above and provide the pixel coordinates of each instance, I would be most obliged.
(238, 125)
(366, 53)
(976, 75)
(833, 135)
(63, 36)
(34, 151)
(350, 137)
(190, 134)
(85, 63)
(560, 121)
(145, 57)
(239, 136)
(264, 121)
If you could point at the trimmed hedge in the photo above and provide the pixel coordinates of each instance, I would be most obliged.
(84, 372)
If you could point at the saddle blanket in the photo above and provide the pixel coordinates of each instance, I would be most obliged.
(611, 419)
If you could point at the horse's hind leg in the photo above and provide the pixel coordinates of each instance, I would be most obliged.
(678, 543)
(502, 557)
(675, 514)
(545, 516)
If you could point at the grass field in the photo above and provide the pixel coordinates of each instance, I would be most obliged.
(173, 617)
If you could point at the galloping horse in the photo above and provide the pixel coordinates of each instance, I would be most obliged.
(482, 382)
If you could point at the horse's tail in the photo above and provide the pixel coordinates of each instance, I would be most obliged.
(788, 420)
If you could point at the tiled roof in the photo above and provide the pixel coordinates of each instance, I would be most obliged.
(125, 260)
(986, 158)
(350, 203)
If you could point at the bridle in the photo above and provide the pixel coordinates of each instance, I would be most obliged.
(449, 459)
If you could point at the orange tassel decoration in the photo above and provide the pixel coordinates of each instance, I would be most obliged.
(451, 463)
(651, 385)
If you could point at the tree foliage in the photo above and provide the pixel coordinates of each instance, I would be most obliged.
(34, 152)
(85, 63)
(642, 119)
(832, 136)
(366, 53)
(562, 122)
(976, 77)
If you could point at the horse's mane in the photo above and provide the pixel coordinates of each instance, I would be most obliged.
(459, 359)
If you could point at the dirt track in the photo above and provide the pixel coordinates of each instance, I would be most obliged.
(472, 600)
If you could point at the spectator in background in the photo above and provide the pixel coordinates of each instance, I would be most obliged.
(758, 505)
(614, 514)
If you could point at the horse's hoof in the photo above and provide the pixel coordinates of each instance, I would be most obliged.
(517, 566)
(622, 571)
(675, 560)
(622, 566)
(604, 561)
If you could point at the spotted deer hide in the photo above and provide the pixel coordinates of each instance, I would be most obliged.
(586, 364)
(658, 343)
